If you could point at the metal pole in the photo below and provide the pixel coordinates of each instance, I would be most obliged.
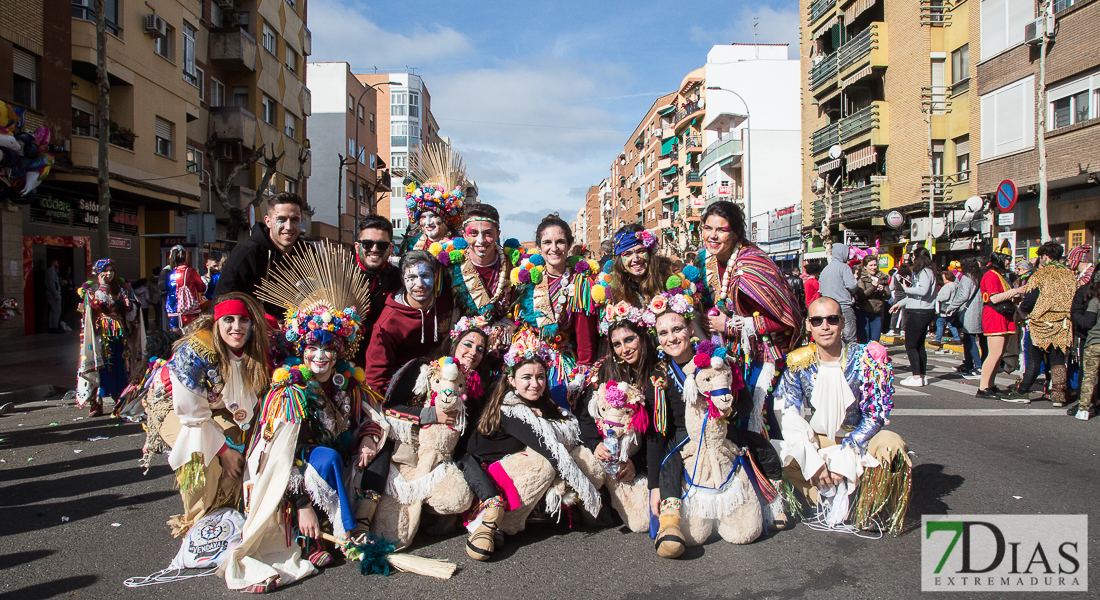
(339, 198)
(367, 87)
(1044, 217)
(748, 155)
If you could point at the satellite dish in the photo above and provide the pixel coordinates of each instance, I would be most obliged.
(834, 152)
(974, 203)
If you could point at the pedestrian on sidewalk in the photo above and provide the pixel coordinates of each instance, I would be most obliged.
(838, 282)
(1085, 321)
(871, 297)
(919, 302)
(144, 298)
(810, 283)
(53, 296)
(901, 277)
(1048, 297)
(998, 309)
(964, 307)
(942, 297)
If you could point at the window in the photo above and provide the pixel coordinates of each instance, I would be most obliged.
(1073, 102)
(360, 112)
(351, 147)
(399, 133)
(217, 93)
(960, 64)
(25, 76)
(240, 97)
(1003, 24)
(351, 103)
(399, 104)
(291, 123)
(414, 104)
(1060, 5)
(85, 9)
(939, 92)
(269, 110)
(269, 38)
(962, 157)
(414, 134)
(200, 77)
(217, 18)
(399, 160)
(291, 185)
(372, 122)
(291, 60)
(163, 46)
(84, 115)
(164, 137)
(189, 74)
(1008, 121)
(194, 160)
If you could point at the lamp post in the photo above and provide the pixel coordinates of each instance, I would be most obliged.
(358, 154)
(748, 155)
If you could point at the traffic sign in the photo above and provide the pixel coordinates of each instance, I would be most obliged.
(1006, 195)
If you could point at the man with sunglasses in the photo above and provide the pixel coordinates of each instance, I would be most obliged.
(832, 404)
(373, 249)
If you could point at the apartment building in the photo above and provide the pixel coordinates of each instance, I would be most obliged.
(406, 122)
(1012, 119)
(887, 115)
(592, 221)
(344, 141)
(34, 78)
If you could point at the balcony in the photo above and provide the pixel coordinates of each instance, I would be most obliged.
(233, 49)
(857, 200)
(871, 119)
(233, 123)
(818, 214)
(686, 111)
(694, 179)
(668, 161)
(825, 138)
(721, 152)
(667, 192)
(868, 48)
(693, 143)
(824, 72)
(307, 41)
(819, 8)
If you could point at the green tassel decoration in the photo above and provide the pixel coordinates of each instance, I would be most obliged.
(191, 476)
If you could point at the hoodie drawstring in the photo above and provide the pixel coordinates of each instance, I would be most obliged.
(435, 322)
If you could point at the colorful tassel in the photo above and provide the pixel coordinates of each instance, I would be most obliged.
(660, 420)
(192, 475)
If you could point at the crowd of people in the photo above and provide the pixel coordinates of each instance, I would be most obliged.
(1035, 317)
(341, 395)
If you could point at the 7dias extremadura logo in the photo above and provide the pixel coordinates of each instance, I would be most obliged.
(1017, 553)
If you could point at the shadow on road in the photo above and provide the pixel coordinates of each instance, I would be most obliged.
(75, 485)
(35, 517)
(91, 461)
(78, 431)
(15, 559)
(51, 589)
(931, 485)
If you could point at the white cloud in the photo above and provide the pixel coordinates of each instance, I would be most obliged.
(773, 27)
(341, 32)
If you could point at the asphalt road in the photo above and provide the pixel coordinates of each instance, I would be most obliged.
(79, 517)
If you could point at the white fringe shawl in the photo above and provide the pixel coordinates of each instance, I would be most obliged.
(402, 428)
(756, 419)
(320, 493)
(413, 492)
(556, 436)
(716, 504)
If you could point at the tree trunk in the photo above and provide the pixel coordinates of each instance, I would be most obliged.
(236, 214)
(103, 128)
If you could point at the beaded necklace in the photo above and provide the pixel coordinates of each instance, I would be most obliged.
(474, 286)
(722, 289)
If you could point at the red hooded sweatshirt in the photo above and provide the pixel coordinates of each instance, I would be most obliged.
(403, 333)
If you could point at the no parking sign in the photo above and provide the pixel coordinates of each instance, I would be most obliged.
(1006, 195)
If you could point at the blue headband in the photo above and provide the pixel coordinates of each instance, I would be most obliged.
(102, 264)
(625, 241)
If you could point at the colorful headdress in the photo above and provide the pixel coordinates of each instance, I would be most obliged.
(439, 186)
(466, 324)
(526, 345)
(101, 265)
(323, 292)
(1077, 255)
(624, 311)
(629, 239)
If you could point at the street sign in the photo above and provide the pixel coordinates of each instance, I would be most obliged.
(1006, 195)
(1006, 219)
(202, 228)
(120, 243)
(724, 191)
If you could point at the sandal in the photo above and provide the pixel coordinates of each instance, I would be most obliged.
(320, 558)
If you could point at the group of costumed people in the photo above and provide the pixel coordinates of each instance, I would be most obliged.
(473, 382)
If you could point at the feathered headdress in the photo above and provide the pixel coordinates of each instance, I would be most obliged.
(324, 292)
(439, 186)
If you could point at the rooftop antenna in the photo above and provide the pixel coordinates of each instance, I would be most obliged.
(755, 22)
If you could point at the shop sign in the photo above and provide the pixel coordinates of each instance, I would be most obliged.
(784, 211)
(124, 218)
(168, 242)
(57, 209)
(894, 219)
(724, 191)
(120, 243)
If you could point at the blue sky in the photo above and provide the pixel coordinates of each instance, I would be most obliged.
(540, 97)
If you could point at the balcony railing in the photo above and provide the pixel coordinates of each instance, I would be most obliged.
(825, 138)
(686, 109)
(861, 121)
(824, 71)
(694, 177)
(233, 123)
(818, 213)
(693, 141)
(233, 49)
(857, 200)
(820, 7)
(857, 47)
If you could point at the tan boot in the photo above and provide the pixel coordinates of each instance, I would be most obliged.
(670, 541)
(482, 541)
(364, 514)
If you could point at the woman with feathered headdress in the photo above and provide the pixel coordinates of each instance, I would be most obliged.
(434, 200)
(110, 317)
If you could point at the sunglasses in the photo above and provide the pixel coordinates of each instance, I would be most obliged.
(831, 319)
(368, 245)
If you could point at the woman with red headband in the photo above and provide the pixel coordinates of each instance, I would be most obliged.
(203, 400)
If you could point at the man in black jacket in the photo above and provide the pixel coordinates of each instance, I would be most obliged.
(270, 241)
(373, 248)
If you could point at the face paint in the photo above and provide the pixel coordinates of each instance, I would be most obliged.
(419, 282)
(431, 225)
(320, 360)
(482, 237)
(235, 330)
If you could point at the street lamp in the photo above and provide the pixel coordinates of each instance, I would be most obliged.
(358, 153)
(748, 155)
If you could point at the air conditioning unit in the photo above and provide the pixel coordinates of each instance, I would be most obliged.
(225, 151)
(1033, 31)
(918, 229)
(155, 27)
(225, 4)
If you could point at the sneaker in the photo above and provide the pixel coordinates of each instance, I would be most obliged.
(1082, 415)
(915, 381)
(1058, 404)
(1017, 396)
(972, 375)
(988, 394)
(6, 408)
(936, 343)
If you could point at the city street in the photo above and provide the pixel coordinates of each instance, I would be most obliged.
(80, 517)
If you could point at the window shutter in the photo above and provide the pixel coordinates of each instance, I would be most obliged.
(1010, 130)
(993, 23)
(962, 148)
(83, 105)
(25, 64)
(989, 134)
(164, 129)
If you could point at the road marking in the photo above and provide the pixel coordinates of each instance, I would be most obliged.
(904, 391)
(977, 412)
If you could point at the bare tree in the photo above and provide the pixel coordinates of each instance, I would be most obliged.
(237, 214)
(303, 157)
(104, 127)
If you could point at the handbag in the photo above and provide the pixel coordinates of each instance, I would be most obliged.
(1006, 309)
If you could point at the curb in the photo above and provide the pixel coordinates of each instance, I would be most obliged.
(31, 393)
(889, 339)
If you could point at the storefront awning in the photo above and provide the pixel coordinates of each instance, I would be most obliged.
(861, 158)
(829, 166)
(668, 145)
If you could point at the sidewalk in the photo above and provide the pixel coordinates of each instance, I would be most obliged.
(891, 340)
(46, 358)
